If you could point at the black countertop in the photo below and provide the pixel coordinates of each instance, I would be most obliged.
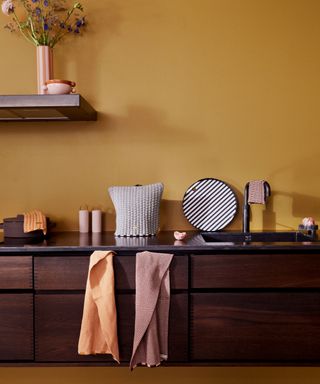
(164, 241)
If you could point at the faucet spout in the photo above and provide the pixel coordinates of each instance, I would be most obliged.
(246, 205)
(246, 210)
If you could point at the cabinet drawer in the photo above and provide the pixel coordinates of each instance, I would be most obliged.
(58, 322)
(16, 272)
(61, 272)
(255, 271)
(256, 327)
(70, 272)
(16, 326)
(57, 328)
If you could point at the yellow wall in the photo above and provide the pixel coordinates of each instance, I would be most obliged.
(185, 89)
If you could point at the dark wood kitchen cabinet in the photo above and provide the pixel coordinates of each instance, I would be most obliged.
(257, 308)
(240, 306)
(58, 320)
(256, 327)
(16, 308)
(16, 326)
(59, 305)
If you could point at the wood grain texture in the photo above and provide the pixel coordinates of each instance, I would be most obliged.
(61, 273)
(16, 272)
(58, 322)
(247, 308)
(70, 272)
(178, 337)
(264, 326)
(255, 271)
(57, 328)
(16, 326)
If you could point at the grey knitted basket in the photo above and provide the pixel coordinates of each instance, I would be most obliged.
(137, 209)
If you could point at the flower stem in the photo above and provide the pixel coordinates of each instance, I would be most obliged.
(41, 25)
(28, 38)
(60, 35)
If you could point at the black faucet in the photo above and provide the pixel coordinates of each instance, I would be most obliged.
(246, 206)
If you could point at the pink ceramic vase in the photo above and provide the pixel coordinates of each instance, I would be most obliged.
(44, 67)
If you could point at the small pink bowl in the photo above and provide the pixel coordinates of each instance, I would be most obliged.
(59, 87)
(179, 235)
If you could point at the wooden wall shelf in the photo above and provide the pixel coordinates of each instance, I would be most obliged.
(71, 107)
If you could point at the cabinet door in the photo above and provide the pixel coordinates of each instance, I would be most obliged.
(58, 320)
(256, 327)
(16, 326)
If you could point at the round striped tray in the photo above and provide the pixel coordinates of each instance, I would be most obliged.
(209, 204)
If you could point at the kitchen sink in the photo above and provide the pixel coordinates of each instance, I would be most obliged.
(261, 237)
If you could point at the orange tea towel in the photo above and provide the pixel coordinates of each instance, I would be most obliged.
(33, 221)
(256, 192)
(150, 345)
(98, 332)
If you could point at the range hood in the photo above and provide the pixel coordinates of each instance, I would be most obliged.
(71, 107)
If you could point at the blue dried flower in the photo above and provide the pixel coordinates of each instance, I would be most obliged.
(44, 23)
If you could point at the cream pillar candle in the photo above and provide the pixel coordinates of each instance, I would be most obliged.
(83, 221)
(96, 221)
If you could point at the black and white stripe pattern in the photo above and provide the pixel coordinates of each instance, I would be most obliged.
(209, 204)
